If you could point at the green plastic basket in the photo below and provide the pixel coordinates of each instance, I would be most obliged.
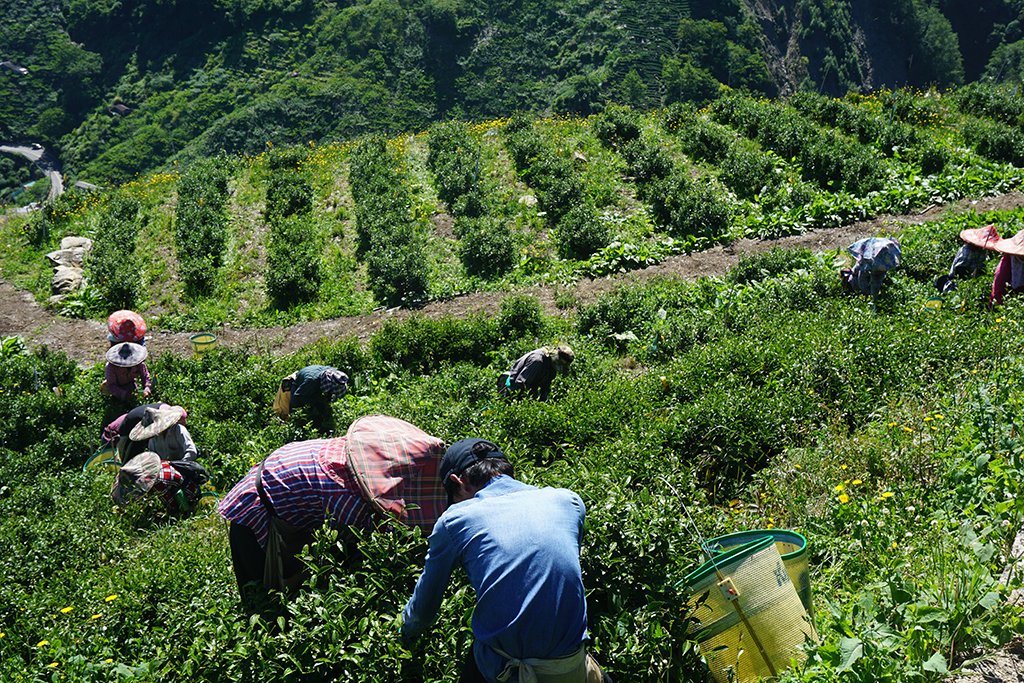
(203, 342)
(102, 460)
(793, 548)
(748, 617)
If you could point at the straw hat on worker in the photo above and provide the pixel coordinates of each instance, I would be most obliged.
(162, 429)
(1009, 276)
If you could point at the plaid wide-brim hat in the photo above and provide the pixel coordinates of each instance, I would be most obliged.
(984, 237)
(1013, 246)
(156, 421)
(126, 354)
(395, 464)
(136, 478)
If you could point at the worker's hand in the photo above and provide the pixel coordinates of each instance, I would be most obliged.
(146, 392)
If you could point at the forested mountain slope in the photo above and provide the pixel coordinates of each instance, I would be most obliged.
(197, 77)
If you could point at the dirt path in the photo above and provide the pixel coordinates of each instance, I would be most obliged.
(84, 340)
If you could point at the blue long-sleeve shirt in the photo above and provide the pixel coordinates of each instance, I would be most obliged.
(520, 547)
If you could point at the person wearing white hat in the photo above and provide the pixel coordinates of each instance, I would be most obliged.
(162, 431)
(178, 483)
(126, 367)
(1009, 276)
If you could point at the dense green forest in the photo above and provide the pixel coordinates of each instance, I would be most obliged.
(197, 77)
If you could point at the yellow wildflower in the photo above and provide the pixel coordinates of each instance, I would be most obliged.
(894, 545)
(887, 494)
(65, 610)
(908, 429)
(856, 482)
(939, 416)
(42, 643)
(110, 598)
(96, 616)
(842, 467)
(797, 466)
(109, 661)
(53, 665)
(844, 499)
(927, 419)
(840, 487)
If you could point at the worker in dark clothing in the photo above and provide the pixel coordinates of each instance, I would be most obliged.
(315, 387)
(534, 372)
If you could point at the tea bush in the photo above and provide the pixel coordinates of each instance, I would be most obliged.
(454, 158)
(521, 316)
(487, 247)
(998, 102)
(388, 237)
(616, 126)
(113, 267)
(288, 194)
(581, 232)
(201, 224)
(294, 260)
(995, 140)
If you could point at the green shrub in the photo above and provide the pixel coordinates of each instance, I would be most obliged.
(647, 161)
(768, 264)
(454, 159)
(487, 247)
(521, 316)
(581, 232)
(689, 207)
(999, 102)
(996, 141)
(616, 126)
(397, 266)
(422, 345)
(294, 260)
(288, 194)
(201, 224)
(113, 267)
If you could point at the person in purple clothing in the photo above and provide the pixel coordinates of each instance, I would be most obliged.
(520, 548)
(126, 368)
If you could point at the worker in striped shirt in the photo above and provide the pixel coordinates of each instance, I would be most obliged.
(300, 492)
(382, 467)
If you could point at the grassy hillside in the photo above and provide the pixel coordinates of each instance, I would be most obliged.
(320, 231)
(764, 398)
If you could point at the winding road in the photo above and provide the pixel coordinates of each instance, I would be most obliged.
(44, 161)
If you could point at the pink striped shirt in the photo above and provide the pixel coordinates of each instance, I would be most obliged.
(300, 492)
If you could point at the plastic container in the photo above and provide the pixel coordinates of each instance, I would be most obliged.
(793, 548)
(750, 621)
(203, 342)
(102, 460)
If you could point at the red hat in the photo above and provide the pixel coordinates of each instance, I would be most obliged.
(985, 237)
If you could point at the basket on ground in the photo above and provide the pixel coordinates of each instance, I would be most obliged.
(203, 342)
(793, 548)
(750, 621)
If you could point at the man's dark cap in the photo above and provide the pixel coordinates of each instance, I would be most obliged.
(466, 452)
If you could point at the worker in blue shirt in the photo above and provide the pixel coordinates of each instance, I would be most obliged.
(520, 547)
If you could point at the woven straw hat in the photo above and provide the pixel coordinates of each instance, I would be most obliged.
(156, 421)
(136, 478)
(1011, 245)
(985, 237)
(126, 354)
